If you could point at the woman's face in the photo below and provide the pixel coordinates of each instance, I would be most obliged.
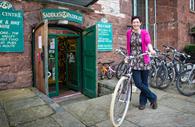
(136, 24)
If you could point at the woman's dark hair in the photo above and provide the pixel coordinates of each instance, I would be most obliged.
(135, 17)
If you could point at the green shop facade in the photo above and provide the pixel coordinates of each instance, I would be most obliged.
(64, 51)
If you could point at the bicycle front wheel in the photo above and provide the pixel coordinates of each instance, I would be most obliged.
(121, 69)
(186, 83)
(109, 74)
(120, 101)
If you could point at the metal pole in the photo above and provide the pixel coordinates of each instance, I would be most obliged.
(146, 6)
(155, 26)
(134, 7)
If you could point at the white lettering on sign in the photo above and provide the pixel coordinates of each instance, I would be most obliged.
(62, 14)
(11, 14)
(5, 26)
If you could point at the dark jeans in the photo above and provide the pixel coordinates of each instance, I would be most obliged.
(140, 78)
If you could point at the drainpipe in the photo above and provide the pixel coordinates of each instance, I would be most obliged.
(155, 26)
(146, 6)
(134, 7)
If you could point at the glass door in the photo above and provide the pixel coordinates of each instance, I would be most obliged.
(53, 66)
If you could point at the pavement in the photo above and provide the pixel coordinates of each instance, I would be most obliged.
(28, 107)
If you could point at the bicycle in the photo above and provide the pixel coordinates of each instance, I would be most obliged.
(185, 82)
(107, 70)
(122, 93)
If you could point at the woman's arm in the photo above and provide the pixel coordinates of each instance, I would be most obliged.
(151, 49)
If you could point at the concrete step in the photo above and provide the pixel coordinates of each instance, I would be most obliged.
(75, 98)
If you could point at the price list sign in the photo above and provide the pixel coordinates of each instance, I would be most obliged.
(11, 31)
(104, 31)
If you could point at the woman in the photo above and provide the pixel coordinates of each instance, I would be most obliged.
(138, 41)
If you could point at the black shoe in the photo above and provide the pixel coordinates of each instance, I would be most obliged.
(141, 107)
(154, 105)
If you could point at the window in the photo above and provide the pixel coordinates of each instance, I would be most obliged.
(192, 5)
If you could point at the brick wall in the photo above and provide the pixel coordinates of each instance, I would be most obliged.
(119, 19)
(166, 19)
(16, 68)
(173, 21)
(186, 19)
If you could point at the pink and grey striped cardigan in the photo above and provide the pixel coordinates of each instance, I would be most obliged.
(145, 37)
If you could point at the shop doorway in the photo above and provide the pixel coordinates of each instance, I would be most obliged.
(64, 64)
(64, 59)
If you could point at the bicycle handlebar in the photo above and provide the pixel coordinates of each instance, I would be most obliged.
(176, 53)
(131, 57)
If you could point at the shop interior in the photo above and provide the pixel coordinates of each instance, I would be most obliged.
(62, 65)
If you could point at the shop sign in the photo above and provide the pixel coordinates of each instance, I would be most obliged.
(62, 14)
(104, 31)
(5, 5)
(11, 29)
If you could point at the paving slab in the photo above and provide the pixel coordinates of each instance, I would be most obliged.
(24, 103)
(179, 104)
(91, 111)
(45, 122)
(108, 123)
(30, 114)
(14, 94)
(3, 118)
(161, 117)
(65, 119)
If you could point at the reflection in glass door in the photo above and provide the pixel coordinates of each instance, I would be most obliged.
(53, 67)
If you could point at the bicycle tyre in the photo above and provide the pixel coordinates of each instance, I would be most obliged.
(109, 74)
(152, 76)
(120, 70)
(118, 92)
(162, 77)
(171, 74)
(184, 80)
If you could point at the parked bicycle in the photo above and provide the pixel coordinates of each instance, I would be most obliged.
(186, 82)
(167, 66)
(122, 93)
(106, 69)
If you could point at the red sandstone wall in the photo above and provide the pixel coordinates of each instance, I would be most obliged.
(186, 19)
(16, 68)
(173, 21)
(166, 22)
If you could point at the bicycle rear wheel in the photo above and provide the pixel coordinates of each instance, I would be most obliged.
(110, 73)
(152, 76)
(162, 77)
(120, 101)
(121, 69)
(186, 83)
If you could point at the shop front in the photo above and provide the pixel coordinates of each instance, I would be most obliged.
(64, 54)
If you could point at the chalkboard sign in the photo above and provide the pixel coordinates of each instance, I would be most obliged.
(11, 31)
(104, 36)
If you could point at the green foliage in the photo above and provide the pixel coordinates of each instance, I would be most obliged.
(190, 48)
(193, 29)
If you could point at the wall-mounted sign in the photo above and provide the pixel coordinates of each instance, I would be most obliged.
(60, 14)
(5, 5)
(104, 36)
(11, 30)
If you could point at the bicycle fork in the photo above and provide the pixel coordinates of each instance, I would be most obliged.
(126, 88)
